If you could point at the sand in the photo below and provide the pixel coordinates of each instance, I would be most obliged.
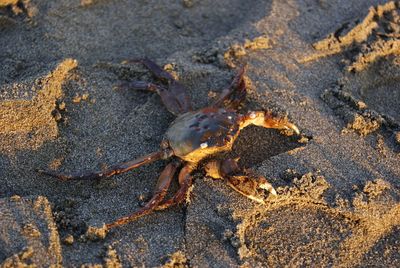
(332, 66)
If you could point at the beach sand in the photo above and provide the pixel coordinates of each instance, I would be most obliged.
(332, 66)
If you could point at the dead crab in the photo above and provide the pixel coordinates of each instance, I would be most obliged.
(193, 136)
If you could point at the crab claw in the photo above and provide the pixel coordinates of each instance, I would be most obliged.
(243, 181)
(254, 187)
(291, 126)
(268, 120)
(267, 186)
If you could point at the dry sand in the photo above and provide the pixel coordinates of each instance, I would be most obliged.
(332, 66)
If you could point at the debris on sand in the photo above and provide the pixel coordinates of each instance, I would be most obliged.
(94, 233)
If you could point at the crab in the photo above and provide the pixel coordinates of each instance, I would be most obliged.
(194, 135)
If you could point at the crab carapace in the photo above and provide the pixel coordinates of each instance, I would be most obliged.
(192, 137)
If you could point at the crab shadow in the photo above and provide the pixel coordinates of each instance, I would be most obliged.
(255, 145)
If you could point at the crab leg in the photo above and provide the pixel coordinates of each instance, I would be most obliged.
(158, 72)
(113, 170)
(142, 85)
(171, 102)
(244, 181)
(233, 96)
(185, 182)
(175, 98)
(160, 191)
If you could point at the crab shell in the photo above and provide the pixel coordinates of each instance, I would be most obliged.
(196, 135)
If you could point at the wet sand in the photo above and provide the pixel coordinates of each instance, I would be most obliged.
(333, 68)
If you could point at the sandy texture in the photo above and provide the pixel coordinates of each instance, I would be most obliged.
(332, 66)
(28, 233)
